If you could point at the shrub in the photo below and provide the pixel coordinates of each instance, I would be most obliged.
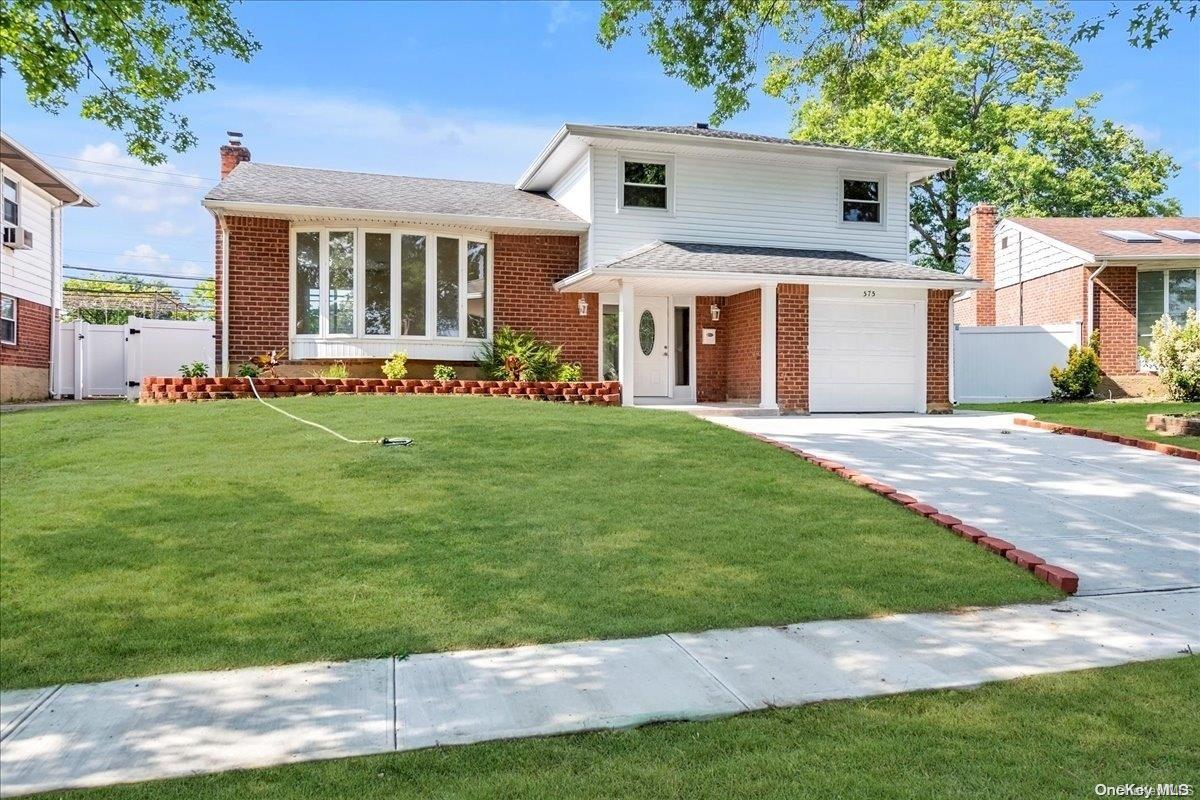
(196, 369)
(1080, 377)
(247, 371)
(443, 372)
(515, 356)
(569, 372)
(335, 370)
(396, 367)
(1175, 350)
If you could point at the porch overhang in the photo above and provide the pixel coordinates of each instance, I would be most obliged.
(593, 279)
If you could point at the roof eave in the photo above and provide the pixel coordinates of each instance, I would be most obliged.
(82, 199)
(962, 282)
(464, 220)
(532, 170)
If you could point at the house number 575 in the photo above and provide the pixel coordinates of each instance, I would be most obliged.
(868, 292)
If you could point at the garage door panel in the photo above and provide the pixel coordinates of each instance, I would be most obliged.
(862, 356)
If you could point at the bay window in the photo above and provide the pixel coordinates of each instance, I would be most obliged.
(376, 283)
(1165, 291)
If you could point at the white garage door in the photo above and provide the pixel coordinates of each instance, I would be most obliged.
(863, 356)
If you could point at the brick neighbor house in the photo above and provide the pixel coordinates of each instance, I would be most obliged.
(1115, 275)
(31, 270)
(694, 264)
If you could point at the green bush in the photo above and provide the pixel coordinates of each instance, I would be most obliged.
(247, 371)
(569, 372)
(396, 367)
(443, 372)
(1175, 350)
(1079, 378)
(514, 356)
(196, 369)
(335, 370)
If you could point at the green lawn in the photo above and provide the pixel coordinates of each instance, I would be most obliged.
(1050, 736)
(148, 539)
(1121, 418)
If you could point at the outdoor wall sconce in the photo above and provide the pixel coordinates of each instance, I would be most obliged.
(582, 306)
(715, 310)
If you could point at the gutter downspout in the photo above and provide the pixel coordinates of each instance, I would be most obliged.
(953, 328)
(224, 354)
(1091, 302)
(56, 267)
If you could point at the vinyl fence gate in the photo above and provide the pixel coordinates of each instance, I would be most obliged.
(1008, 363)
(111, 360)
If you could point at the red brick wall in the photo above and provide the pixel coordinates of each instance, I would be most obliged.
(33, 337)
(791, 348)
(983, 262)
(937, 351)
(743, 334)
(1116, 319)
(1053, 299)
(258, 287)
(710, 358)
(526, 268)
(964, 311)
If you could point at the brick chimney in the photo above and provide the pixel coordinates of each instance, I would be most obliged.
(983, 262)
(233, 153)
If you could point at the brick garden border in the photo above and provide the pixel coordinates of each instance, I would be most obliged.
(1058, 577)
(1129, 441)
(174, 390)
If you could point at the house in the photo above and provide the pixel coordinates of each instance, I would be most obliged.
(31, 269)
(694, 264)
(1114, 275)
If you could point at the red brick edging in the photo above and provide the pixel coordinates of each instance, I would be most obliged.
(174, 390)
(1058, 577)
(1143, 444)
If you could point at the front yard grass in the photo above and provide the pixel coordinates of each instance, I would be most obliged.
(1121, 418)
(1049, 736)
(150, 539)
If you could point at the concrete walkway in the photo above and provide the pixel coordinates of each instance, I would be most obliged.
(1121, 518)
(172, 725)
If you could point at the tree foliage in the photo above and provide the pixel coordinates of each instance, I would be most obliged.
(1146, 23)
(127, 61)
(983, 83)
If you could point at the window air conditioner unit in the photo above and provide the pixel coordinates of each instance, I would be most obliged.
(17, 238)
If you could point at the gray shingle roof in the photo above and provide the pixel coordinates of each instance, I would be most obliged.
(699, 257)
(717, 133)
(252, 182)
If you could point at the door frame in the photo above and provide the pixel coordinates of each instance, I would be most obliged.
(683, 393)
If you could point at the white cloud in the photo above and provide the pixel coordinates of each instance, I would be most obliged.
(1146, 133)
(562, 12)
(145, 258)
(133, 188)
(168, 228)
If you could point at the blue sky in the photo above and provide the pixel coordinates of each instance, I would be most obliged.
(469, 91)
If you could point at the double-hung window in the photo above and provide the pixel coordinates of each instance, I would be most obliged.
(350, 282)
(1164, 291)
(12, 203)
(645, 182)
(862, 199)
(8, 320)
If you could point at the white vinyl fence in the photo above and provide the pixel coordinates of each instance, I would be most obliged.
(111, 360)
(1008, 363)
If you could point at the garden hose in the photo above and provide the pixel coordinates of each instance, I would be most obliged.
(386, 441)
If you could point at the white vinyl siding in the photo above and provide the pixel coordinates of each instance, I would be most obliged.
(725, 200)
(1028, 256)
(26, 273)
(573, 191)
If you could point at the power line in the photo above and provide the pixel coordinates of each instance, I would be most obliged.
(135, 272)
(122, 166)
(128, 254)
(163, 285)
(131, 178)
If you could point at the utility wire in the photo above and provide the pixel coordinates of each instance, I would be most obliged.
(135, 180)
(121, 166)
(135, 255)
(135, 272)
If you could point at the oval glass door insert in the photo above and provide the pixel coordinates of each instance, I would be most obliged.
(646, 332)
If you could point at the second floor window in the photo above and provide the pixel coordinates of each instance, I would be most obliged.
(860, 200)
(644, 184)
(12, 208)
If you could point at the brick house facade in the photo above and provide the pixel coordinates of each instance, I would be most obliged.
(25, 363)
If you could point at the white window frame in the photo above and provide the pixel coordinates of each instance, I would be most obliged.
(359, 334)
(880, 179)
(1166, 286)
(17, 194)
(7, 299)
(666, 160)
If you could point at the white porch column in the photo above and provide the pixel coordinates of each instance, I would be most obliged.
(766, 348)
(628, 328)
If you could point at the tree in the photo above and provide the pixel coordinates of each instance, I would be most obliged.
(112, 302)
(982, 83)
(127, 60)
(1147, 24)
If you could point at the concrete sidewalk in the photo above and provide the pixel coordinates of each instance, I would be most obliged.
(172, 725)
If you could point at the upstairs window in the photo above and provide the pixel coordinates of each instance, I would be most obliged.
(645, 183)
(8, 320)
(861, 200)
(12, 203)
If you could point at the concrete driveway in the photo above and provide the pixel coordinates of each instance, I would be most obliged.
(1122, 519)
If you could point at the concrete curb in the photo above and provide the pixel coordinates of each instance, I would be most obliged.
(1058, 577)
(1128, 441)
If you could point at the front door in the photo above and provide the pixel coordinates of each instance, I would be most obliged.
(652, 354)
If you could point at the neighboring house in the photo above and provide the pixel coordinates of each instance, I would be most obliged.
(1113, 275)
(31, 269)
(693, 264)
